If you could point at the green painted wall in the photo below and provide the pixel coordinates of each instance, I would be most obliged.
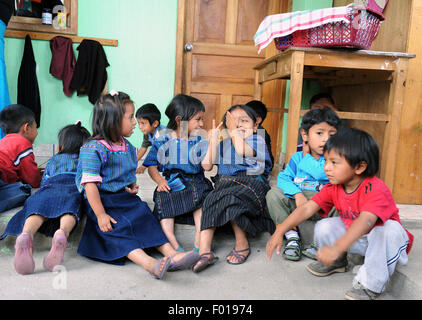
(142, 65)
(310, 88)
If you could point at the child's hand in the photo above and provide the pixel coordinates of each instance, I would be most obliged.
(133, 188)
(231, 122)
(275, 242)
(104, 222)
(214, 133)
(163, 186)
(328, 254)
(140, 170)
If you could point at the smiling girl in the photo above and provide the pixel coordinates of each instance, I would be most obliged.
(182, 187)
(240, 186)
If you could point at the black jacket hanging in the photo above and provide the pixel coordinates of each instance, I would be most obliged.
(28, 92)
(90, 74)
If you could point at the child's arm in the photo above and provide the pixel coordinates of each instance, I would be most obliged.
(209, 159)
(140, 153)
(361, 226)
(299, 215)
(285, 180)
(161, 182)
(94, 200)
(29, 172)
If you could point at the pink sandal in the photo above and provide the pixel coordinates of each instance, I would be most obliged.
(56, 254)
(24, 262)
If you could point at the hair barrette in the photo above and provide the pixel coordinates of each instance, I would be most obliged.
(113, 93)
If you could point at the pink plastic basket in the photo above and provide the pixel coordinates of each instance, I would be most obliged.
(359, 33)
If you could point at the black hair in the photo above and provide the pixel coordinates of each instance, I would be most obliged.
(249, 111)
(184, 106)
(107, 116)
(14, 116)
(316, 116)
(150, 112)
(72, 137)
(259, 108)
(322, 95)
(356, 146)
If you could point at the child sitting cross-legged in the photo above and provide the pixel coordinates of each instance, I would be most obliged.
(303, 177)
(368, 222)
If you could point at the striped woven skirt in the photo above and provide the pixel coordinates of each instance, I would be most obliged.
(136, 228)
(240, 199)
(181, 204)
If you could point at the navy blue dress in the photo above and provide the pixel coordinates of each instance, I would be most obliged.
(57, 196)
(113, 168)
(180, 162)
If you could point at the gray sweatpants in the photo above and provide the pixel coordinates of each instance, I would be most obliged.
(383, 247)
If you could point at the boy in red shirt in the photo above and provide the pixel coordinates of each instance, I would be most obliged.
(368, 222)
(17, 160)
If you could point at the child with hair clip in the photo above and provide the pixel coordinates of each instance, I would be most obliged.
(119, 224)
(55, 209)
(183, 186)
(240, 186)
(368, 222)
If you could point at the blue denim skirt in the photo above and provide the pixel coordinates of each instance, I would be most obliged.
(136, 228)
(56, 197)
(181, 204)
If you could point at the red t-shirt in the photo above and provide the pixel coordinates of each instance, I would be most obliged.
(372, 195)
(17, 161)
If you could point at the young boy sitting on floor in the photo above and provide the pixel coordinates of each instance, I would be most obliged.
(303, 176)
(18, 169)
(368, 222)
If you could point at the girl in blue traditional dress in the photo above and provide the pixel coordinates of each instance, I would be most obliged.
(240, 186)
(55, 209)
(182, 187)
(119, 224)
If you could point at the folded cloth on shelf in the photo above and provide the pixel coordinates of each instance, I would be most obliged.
(280, 25)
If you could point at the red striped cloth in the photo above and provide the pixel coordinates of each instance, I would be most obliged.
(280, 25)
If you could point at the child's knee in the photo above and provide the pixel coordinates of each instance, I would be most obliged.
(327, 231)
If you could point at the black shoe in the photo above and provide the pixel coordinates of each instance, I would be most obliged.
(318, 269)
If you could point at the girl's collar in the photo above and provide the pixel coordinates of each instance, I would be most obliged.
(114, 147)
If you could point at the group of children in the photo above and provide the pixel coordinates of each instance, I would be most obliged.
(332, 181)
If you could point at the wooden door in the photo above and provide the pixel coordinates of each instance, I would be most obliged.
(216, 54)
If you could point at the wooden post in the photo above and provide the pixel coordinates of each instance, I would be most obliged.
(392, 129)
(296, 82)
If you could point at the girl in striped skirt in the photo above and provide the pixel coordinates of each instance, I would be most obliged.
(119, 224)
(182, 187)
(55, 209)
(241, 185)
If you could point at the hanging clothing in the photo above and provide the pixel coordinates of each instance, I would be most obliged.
(90, 76)
(6, 10)
(28, 92)
(63, 61)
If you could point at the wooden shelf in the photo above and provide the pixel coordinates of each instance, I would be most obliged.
(49, 36)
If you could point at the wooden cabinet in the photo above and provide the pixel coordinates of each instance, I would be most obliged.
(371, 84)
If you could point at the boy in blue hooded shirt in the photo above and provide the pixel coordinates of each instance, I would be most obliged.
(303, 176)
